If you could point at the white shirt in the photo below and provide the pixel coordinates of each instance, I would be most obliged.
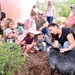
(50, 11)
(33, 26)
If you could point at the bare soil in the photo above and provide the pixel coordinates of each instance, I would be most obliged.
(36, 64)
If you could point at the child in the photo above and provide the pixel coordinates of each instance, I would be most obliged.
(9, 23)
(10, 37)
(20, 27)
(29, 41)
(32, 24)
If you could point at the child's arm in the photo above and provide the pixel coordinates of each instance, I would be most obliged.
(29, 24)
(23, 42)
(34, 43)
(17, 41)
(15, 37)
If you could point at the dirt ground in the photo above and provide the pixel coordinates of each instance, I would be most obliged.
(36, 64)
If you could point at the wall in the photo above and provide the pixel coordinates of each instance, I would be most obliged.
(18, 10)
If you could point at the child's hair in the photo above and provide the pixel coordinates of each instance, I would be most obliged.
(33, 13)
(34, 6)
(20, 24)
(8, 20)
(53, 25)
(28, 36)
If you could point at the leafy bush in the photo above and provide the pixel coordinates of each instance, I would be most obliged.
(60, 20)
(42, 5)
(62, 7)
(10, 58)
(64, 10)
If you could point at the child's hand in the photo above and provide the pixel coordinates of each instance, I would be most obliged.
(17, 42)
(33, 43)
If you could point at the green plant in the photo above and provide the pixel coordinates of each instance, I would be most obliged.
(10, 58)
(62, 7)
(60, 20)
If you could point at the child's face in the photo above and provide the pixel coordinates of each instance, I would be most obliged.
(11, 25)
(10, 35)
(32, 35)
(33, 17)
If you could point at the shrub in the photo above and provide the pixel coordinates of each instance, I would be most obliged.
(10, 58)
(60, 20)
